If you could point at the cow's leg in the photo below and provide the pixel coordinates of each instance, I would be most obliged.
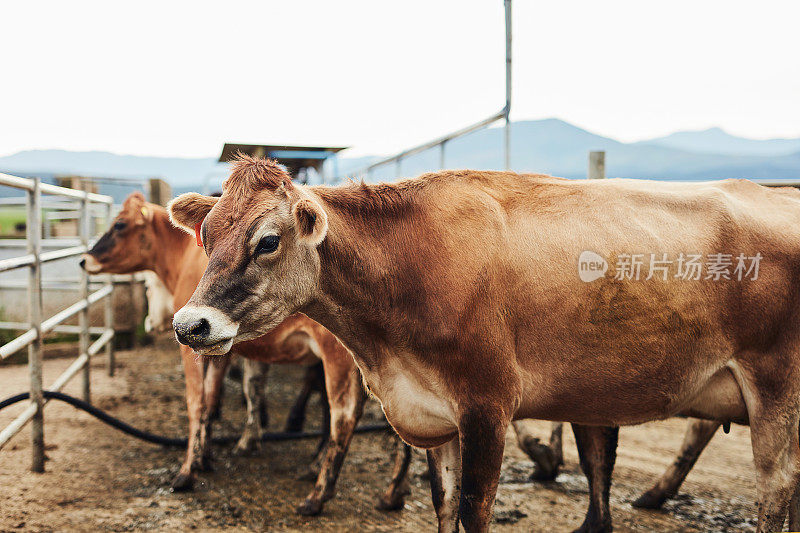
(193, 372)
(794, 511)
(776, 451)
(312, 471)
(697, 438)
(314, 380)
(213, 385)
(444, 464)
(547, 458)
(346, 396)
(557, 445)
(482, 440)
(254, 376)
(597, 448)
(394, 498)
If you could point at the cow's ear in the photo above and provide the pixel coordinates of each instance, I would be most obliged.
(188, 210)
(134, 200)
(311, 221)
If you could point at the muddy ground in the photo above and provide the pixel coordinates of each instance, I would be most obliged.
(100, 479)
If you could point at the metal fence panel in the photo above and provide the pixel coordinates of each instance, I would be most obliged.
(37, 327)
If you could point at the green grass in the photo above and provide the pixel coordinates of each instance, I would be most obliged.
(9, 218)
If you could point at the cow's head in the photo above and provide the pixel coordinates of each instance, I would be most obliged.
(129, 244)
(261, 237)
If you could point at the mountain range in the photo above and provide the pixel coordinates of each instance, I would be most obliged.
(549, 146)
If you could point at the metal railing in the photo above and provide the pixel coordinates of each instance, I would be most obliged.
(441, 142)
(37, 325)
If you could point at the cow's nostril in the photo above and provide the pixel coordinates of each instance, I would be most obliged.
(83, 264)
(201, 328)
(192, 332)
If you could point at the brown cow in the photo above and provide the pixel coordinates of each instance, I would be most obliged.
(458, 293)
(142, 238)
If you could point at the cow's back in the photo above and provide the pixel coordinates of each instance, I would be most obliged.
(517, 246)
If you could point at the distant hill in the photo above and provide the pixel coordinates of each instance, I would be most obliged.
(556, 147)
(548, 146)
(718, 141)
(105, 164)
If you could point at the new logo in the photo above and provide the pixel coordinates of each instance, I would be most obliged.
(591, 266)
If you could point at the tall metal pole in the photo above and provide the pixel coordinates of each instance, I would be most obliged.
(83, 317)
(34, 226)
(507, 140)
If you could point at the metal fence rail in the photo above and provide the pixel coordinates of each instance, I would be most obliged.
(37, 326)
(441, 142)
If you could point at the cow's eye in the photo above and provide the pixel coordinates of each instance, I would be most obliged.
(120, 225)
(267, 244)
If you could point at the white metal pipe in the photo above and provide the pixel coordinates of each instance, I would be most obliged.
(45, 188)
(102, 341)
(16, 182)
(436, 142)
(46, 243)
(61, 328)
(73, 193)
(70, 372)
(74, 309)
(17, 262)
(81, 362)
(17, 344)
(17, 424)
(63, 253)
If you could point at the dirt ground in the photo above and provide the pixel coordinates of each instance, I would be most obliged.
(100, 479)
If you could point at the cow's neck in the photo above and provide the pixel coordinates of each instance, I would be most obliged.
(172, 245)
(357, 298)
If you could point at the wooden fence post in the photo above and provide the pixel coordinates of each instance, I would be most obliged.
(597, 165)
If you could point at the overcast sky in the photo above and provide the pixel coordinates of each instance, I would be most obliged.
(180, 78)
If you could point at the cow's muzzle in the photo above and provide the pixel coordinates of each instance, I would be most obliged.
(90, 264)
(205, 330)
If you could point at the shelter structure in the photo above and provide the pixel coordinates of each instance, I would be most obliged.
(297, 159)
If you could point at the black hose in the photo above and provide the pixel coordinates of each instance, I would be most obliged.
(160, 439)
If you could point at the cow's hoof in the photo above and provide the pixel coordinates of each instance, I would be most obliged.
(310, 508)
(650, 500)
(392, 503)
(182, 483)
(294, 425)
(594, 528)
(541, 473)
(251, 447)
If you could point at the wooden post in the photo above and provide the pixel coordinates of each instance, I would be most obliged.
(134, 310)
(108, 309)
(34, 224)
(159, 191)
(597, 165)
(83, 316)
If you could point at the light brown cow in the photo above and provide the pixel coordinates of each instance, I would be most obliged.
(142, 238)
(459, 295)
